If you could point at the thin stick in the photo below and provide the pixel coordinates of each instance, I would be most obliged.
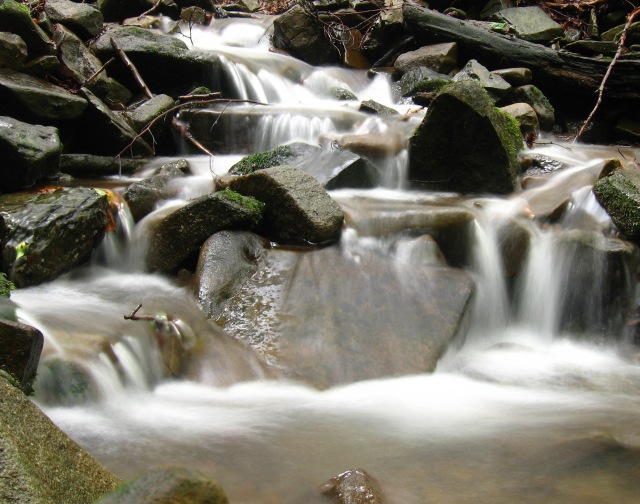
(97, 72)
(155, 6)
(621, 43)
(134, 316)
(132, 67)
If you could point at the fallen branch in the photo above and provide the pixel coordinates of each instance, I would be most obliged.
(153, 8)
(132, 67)
(97, 72)
(134, 315)
(621, 42)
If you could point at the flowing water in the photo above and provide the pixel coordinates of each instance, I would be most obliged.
(535, 406)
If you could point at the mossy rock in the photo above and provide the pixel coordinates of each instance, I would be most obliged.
(261, 160)
(619, 195)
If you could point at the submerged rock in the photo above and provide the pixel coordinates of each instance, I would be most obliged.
(297, 208)
(45, 234)
(168, 485)
(39, 464)
(354, 486)
(465, 144)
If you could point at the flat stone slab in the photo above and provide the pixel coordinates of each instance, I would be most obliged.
(531, 23)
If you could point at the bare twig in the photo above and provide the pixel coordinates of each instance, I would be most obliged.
(183, 128)
(621, 42)
(97, 72)
(205, 96)
(131, 67)
(134, 315)
(154, 7)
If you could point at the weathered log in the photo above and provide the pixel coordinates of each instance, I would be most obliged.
(554, 71)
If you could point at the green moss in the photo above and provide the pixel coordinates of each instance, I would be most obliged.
(262, 160)
(253, 205)
(620, 197)
(6, 285)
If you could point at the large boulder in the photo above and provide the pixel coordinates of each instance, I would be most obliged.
(43, 234)
(84, 19)
(179, 235)
(619, 195)
(465, 144)
(20, 349)
(299, 32)
(29, 152)
(297, 208)
(32, 99)
(39, 464)
(226, 260)
(165, 485)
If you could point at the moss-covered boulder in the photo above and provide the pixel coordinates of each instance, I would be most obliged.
(297, 208)
(43, 234)
(39, 464)
(465, 144)
(179, 235)
(165, 485)
(619, 195)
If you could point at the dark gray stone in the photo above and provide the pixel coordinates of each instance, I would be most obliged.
(530, 23)
(13, 50)
(419, 80)
(373, 107)
(441, 58)
(83, 19)
(88, 165)
(20, 349)
(495, 85)
(28, 152)
(16, 18)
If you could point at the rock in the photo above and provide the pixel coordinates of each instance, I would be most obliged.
(83, 19)
(13, 50)
(465, 144)
(530, 23)
(168, 485)
(297, 208)
(372, 145)
(420, 80)
(80, 65)
(180, 234)
(614, 34)
(373, 107)
(495, 85)
(31, 99)
(117, 10)
(515, 76)
(619, 195)
(142, 196)
(441, 58)
(593, 47)
(150, 109)
(47, 233)
(525, 115)
(342, 94)
(354, 486)
(226, 260)
(39, 464)
(16, 18)
(514, 242)
(21, 346)
(358, 335)
(87, 165)
(29, 153)
(300, 34)
(333, 168)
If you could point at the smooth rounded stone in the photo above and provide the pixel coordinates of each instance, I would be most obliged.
(464, 144)
(493, 83)
(168, 485)
(525, 115)
(13, 50)
(441, 58)
(227, 259)
(83, 19)
(16, 18)
(299, 33)
(297, 208)
(38, 462)
(48, 233)
(530, 23)
(515, 76)
(29, 153)
(181, 233)
(354, 486)
(372, 145)
(20, 349)
(533, 96)
(32, 99)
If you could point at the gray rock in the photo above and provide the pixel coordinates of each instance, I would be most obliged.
(495, 85)
(28, 152)
(354, 486)
(13, 50)
(168, 484)
(21, 346)
(180, 234)
(297, 208)
(465, 144)
(83, 19)
(39, 464)
(530, 23)
(441, 58)
(149, 110)
(80, 64)
(227, 259)
(142, 196)
(373, 107)
(16, 18)
(619, 195)
(32, 99)
(46, 234)
(533, 96)
(299, 33)
(420, 80)
(518, 76)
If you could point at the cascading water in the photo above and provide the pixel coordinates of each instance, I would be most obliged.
(528, 409)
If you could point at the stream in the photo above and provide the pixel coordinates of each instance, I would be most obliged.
(524, 410)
